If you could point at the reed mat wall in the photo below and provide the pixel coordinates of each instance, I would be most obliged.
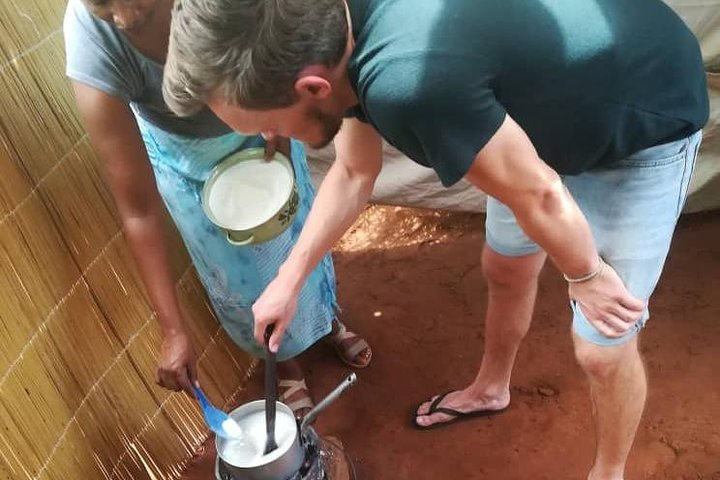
(78, 338)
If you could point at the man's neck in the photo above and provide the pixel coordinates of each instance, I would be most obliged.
(347, 97)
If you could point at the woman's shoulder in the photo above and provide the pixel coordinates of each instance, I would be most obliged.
(97, 54)
(82, 26)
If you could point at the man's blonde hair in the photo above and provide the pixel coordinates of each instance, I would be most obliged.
(248, 51)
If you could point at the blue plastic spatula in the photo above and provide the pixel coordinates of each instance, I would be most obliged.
(218, 421)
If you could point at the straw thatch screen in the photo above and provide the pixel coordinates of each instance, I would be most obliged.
(78, 339)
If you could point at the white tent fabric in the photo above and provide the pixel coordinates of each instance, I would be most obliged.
(403, 182)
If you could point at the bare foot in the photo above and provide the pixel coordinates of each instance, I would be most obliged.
(594, 475)
(462, 402)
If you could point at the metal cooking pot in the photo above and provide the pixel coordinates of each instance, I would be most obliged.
(271, 227)
(244, 456)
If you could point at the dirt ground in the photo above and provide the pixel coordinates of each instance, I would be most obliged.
(410, 282)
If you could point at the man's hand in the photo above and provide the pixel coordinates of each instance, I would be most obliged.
(509, 169)
(276, 306)
(177, 369)
(607, 304)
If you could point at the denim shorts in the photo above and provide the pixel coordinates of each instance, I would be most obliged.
(632, 207)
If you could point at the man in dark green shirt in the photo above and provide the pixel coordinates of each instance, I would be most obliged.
(580, 119)
(590, 82)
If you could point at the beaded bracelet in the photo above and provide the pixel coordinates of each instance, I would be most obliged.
(589, 276)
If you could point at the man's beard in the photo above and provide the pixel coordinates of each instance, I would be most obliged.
(329, 125)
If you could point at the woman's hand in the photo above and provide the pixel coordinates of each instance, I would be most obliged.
(274, 144)
(177, 368)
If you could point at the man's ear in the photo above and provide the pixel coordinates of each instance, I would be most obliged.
(313, 87)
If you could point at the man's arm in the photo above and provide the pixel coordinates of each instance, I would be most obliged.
(509, 169)
(114, 133)
(341, 198)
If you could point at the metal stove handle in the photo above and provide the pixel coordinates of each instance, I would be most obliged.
(331, 397)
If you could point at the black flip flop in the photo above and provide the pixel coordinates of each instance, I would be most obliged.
(456, 415)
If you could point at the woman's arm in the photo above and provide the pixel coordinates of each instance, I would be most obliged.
(115, 135)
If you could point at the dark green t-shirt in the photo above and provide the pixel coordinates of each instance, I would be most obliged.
(590, 81)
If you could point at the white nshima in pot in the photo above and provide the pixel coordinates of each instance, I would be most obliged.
(249, 193)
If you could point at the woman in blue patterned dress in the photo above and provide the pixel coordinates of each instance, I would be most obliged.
(115, 53)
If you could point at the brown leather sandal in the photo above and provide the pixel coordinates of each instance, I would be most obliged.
(296, 396)
(349, 346)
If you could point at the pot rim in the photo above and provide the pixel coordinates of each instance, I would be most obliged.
(231, 160)
(264, 460)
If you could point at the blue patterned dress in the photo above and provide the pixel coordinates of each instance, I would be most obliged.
(235, 276)
(183, 152)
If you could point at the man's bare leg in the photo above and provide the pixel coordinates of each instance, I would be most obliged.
(512, 288)
(618, 387)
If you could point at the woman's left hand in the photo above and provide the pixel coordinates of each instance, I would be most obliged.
(276, 144)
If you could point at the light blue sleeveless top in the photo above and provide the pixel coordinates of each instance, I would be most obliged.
(183, 152)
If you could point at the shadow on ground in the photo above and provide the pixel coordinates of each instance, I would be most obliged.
(410, 281)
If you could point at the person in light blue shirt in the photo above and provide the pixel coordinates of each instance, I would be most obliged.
(154, 159)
